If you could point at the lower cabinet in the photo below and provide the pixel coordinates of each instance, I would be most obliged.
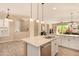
(60, 40)
(65, 41)
(69, 42)
(50, 48)
(54, 48)
(74, 43)
(46, 49)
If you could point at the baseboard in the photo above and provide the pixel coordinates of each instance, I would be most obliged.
(69, 48)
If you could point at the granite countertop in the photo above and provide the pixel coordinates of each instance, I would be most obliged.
(37, 41)
(68, 35)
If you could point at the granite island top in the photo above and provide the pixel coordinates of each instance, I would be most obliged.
(37, 41)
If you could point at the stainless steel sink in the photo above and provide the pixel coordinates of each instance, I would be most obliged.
(49, 37)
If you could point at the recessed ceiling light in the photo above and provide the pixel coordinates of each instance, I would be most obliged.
(54, 8)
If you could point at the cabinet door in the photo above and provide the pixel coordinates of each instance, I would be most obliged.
(59, 40)
(65, 41)
(4, 28)
(54, 47)
(74, 43)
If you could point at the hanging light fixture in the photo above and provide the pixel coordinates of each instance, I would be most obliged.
(31, 20)
(37, 13)
(7, 17)
(42, 13)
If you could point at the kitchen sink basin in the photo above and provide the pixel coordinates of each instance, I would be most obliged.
(49, 37)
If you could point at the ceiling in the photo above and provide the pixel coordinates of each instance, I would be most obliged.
(62, 12)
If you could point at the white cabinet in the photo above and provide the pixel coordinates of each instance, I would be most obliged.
(74, 43)
(32, 50)
(59, 40)
(47, 49)
(54, 47)
(65, 41)
(44, 50)
(69, 41)
(4, 28)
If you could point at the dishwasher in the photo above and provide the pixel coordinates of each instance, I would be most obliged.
(46, 49)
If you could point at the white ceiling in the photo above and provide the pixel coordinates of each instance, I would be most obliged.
(62, 12)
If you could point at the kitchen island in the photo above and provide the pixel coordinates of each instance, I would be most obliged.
(40, 46)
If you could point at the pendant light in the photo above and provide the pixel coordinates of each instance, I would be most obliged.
(37, 13)
(31, 20)
(7, 17)
(42, 13)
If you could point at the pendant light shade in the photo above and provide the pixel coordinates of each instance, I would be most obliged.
(31, 20)
(37, 13)
(42, 13)
(8, 15)
(10, 20)
(37, 21)
(42, 22)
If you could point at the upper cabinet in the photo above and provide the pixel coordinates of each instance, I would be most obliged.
(4, 28)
